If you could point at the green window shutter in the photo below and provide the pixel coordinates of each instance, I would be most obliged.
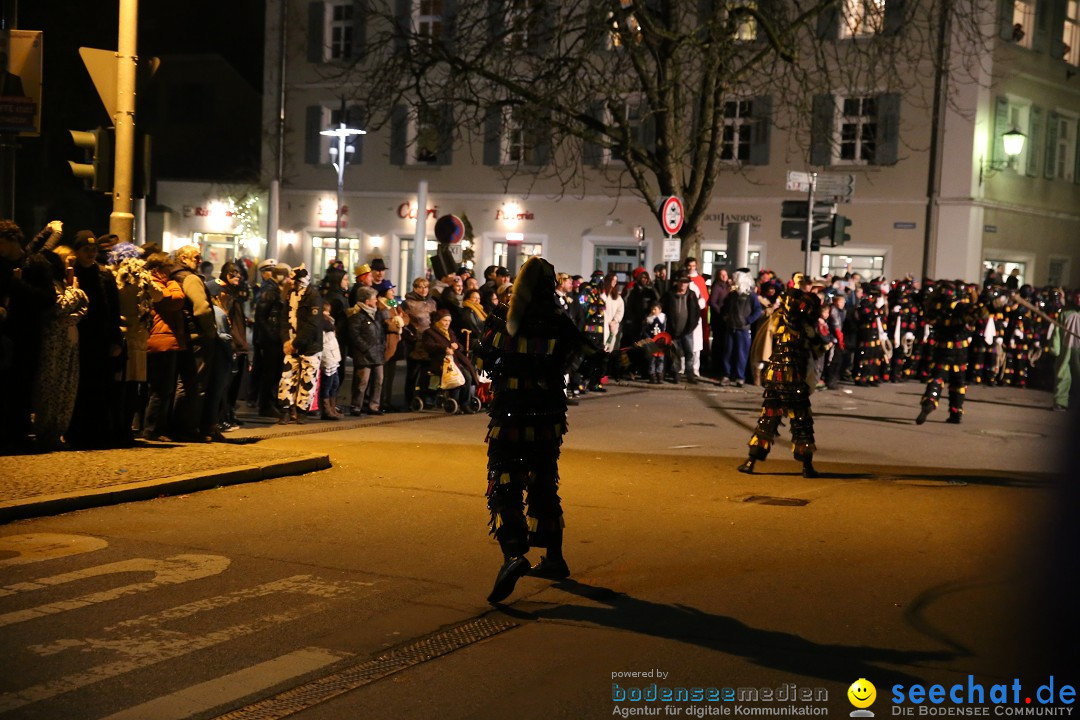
(894, 17)
(822, 119)
(356, 118)
(828, 22)
(1005, 19)
(493, 124)
(1076, 142)
(761, 110)
(542, 148)
(445, 155)
(1057, 30)
(1032, 142)
(592, 153)
(1051, 144)
(1041, 41)
(1001, 126)
(399, 125)
(549, 19)
(887, 150)
(403, 25)
(316, 49)
(449, 27)
(361, 8)
(312, 139)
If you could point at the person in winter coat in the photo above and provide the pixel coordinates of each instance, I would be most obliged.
(471, 320)
(270, 315)
(367, 346)
(440, 341)
(168, 338)
(419, 305)
(334, 286)
(614, 312)
(136, 295)
(681, 309)
(195, 419)
(301, 336)
(396, 319)
(230, 298)
(329, 364)
(740, 311)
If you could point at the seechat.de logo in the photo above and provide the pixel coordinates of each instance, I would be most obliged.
(862, 695)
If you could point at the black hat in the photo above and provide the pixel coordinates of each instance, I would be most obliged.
(502, 272)
(682, 278)
(82, 239)
(659, 267)
(378, 264)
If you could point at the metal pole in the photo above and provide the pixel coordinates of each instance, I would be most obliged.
(420, 236)
(340, 191)
(810, 223)
(122, 220)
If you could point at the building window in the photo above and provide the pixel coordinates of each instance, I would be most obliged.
(627, 31)
(857, 127)
(868, 266)
(513, 254)
(1019, 117)
(1063, 145)
(1071, 34)
(744, 26)
(738, 130)
(339, 29)
(323, 250)
(1023, 32)
(519, 138)
(425, 136)
(428, 19)
(524, 24)
(862, 18)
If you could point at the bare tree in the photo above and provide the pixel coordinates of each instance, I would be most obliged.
(634, 93)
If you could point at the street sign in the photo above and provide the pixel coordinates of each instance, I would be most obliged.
(101, 64)
(671, 250)
(20, 84)
(798, 181)
(671, 215)
(835, 185)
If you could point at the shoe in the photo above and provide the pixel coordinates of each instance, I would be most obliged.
(808, 470)
(725, 382)
(356, 412)
(691, 379)
(228, 427)
(285, 417)
(215, 436)
(511, 570)
(954, 419)
(550, 569)
(738, 383)
(1059, 408)
(598, 388)
(380, 411)
(923, 415)
(299, 416)
(572, 400)
(747, 467)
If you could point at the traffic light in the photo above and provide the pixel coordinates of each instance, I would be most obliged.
(839, 230)
(98, 145)
(815, 243)
(796, 209)
(794, 228)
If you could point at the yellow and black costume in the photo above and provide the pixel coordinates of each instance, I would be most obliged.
(954, 310)
(526, 348)
(795, 340)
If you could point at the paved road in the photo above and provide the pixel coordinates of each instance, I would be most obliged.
(358, 591)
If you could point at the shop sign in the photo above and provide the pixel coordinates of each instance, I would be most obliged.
(190, 211)
(407, 211)
(726, 219)
(501, 214)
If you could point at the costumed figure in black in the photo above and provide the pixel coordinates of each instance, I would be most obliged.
(985, 341)
(870, 316)
(954, 310)
(795, 339)
(903, 322)
(1020, 339)
(526, 348)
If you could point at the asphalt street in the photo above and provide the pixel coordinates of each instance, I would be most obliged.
(923, 554)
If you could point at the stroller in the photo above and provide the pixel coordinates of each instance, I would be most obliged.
(427, 394)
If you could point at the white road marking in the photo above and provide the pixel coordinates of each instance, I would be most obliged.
(38, 547)
(171, 571)
(144, 641)
(682, 447)
(230, 688)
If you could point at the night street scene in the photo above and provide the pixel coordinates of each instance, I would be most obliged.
(541, 360)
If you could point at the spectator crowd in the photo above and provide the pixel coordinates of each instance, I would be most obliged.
(104, 342)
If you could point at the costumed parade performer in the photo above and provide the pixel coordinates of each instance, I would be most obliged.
(795, 339)
(526, 348)
(953, 310)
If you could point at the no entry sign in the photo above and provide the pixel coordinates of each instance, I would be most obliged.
(671, 215)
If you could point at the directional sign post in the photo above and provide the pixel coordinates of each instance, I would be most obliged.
(671, 219)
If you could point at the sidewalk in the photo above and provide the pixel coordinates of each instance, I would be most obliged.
(52, 483)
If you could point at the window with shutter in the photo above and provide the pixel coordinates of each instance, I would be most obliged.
(738, 130)
(1023, 33)
(526, 25)
(339, 30)
(857, 130)
(861, 18)
(1070, 33)
(1065, 148)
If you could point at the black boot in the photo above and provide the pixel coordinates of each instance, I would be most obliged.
(513, 568)
(748, 466)
(808, 470)
(923, 414)
(552, 566)
(954, 418)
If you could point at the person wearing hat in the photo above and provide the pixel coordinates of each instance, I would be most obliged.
(302, 334)
(363, 279)
(378, 272)
(367, 347)
(266, 335)
(592, 303)
(680, 306)
(787, 394)
(660, 279)
(525, 348)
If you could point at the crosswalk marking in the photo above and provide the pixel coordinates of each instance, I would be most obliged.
(37, 547)
(171, 571)
(230, 688)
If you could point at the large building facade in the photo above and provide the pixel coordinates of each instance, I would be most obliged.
(934, 192)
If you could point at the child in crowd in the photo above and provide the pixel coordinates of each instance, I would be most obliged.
(655, 323)
(331, 361)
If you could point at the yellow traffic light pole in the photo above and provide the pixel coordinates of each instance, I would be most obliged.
(121, 221)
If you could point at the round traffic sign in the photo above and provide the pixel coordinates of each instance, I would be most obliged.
(449, 229)
(671, 215)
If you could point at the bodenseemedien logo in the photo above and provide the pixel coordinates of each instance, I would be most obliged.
(862, 695)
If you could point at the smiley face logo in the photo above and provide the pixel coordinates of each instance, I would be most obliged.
(862, 693)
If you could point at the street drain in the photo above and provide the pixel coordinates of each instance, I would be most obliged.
(324, 688)
(770, 500)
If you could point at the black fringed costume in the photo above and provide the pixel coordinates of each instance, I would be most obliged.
(795, 340)
(528, 411)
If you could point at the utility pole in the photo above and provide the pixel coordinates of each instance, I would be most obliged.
(121, 221)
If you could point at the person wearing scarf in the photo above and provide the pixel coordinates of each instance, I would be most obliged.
(472, 319)
(526, 348)
(302, 338)
(439, 341)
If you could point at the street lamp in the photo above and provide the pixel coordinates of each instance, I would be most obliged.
(339, 152)
(1013, 143)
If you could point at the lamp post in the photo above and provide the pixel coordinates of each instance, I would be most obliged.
(339, 152)
(1013, 144)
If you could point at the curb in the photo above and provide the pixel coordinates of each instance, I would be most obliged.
(58, 503)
